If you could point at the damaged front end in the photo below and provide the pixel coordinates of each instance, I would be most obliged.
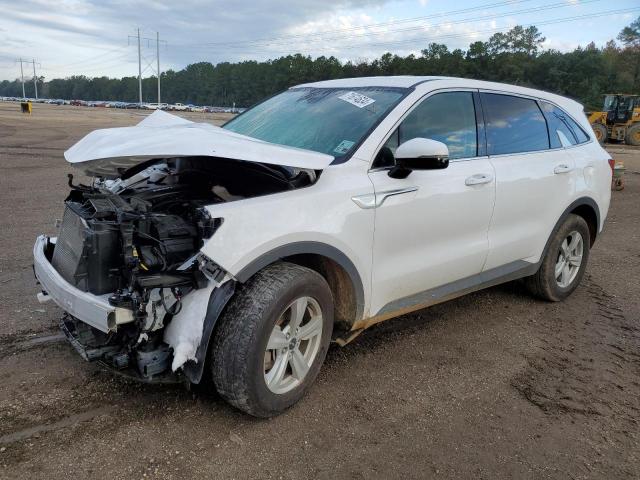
(126, 266)
(139, 297)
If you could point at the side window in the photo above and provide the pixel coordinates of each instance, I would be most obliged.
(447, 117)
(514, 124)
(577, 130)
(561, 124)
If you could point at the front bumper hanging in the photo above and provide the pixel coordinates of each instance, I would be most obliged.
(94, 310)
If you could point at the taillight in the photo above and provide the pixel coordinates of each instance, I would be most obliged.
(612, 164)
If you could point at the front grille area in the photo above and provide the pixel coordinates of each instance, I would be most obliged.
(67, 255)
(87, 252)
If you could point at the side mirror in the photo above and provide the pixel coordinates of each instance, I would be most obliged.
(419, 154)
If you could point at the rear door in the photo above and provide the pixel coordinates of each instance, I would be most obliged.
(534, 177)
(431, 227)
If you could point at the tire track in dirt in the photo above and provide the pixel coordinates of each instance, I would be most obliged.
(78, 397)
(12, 344)
(65, 422)
(561, 378)
(31, 147)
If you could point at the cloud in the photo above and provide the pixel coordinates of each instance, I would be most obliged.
(67, 31)
(91, 36)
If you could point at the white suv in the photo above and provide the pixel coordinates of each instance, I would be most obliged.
(238, 253)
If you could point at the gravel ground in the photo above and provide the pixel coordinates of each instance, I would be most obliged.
(492, 385)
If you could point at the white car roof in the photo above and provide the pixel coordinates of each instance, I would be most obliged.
(402, 81)
(436, 82)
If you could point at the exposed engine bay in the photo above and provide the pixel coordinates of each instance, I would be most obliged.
(136, 240)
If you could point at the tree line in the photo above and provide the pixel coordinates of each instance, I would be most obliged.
(516, 57)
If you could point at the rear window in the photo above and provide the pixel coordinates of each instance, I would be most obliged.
(562, 126)
(514, 124)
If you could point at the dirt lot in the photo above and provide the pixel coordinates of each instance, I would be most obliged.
(492, 385)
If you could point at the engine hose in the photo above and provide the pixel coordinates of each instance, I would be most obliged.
(176, 307)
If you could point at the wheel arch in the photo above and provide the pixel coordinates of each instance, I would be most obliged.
(585, 207)
(334, 265)
(590, 213)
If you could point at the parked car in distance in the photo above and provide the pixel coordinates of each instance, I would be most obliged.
(155, 106)
(237, 254)
(194, 108)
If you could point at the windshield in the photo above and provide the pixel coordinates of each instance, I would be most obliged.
(609, 103)
(326, 120)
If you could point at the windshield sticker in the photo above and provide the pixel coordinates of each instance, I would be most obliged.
(356, 99)
(343, 147)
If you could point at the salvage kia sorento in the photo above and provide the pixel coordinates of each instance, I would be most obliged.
(238, 253)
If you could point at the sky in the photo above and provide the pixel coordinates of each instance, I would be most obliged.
(98, 37)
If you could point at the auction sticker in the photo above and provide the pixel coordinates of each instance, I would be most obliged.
(356, 99)
(343, 146)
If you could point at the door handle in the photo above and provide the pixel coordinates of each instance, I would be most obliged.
(562, 168)
(478, 179)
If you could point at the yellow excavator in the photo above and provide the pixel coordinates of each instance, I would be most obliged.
(619, 120)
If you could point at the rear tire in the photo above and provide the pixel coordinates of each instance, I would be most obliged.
(272, 339)
(633, 135)
(600, 131)
(564, 264)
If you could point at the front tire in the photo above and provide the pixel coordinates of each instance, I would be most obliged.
(272, 339)
(564, 264)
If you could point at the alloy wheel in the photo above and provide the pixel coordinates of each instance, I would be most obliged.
(569, 259)
(293, 345)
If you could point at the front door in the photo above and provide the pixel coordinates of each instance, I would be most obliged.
(431, 227)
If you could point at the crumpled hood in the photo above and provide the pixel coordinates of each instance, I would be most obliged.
(110, 151)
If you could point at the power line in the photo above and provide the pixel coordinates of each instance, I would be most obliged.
(496, 30)
(109, 63)
(265, 49)
(35, 79)
(448, 23)
(22, 77)
(347, 29)
(158, 60)
(91, 59)
(269, 45)
(140, 71)
(35, 85)
(449, 36)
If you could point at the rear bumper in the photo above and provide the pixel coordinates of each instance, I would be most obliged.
(94, 310)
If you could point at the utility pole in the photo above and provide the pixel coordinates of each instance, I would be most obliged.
(139, 70)
(148, 64)
(22, 79)
(35, 79)
(158, 59)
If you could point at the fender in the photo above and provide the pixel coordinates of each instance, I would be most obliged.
(588, 201)
(219, 298)
(221, 295)
(318, 248)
